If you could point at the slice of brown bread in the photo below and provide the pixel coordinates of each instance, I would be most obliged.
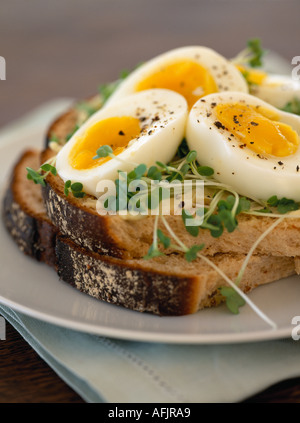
(24, 213)
(166, 285)
(123, 238)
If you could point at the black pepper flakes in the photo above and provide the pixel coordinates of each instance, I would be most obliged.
(219, 125)
(235, 120)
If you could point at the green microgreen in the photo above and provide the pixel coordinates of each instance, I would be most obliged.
(283, 205)
(256, 52)
(191, 156)
(138, 172)
(35, 176)
(153, 252)
(103, 151)
(183, 149)
(232, 298)
(225, 214)
(154, 173)
(191, 229)
(264, 210)
(39, 176)
(75, 188)
(292, 106)
(205, 170)
(47, 167)
(192, 253)
(165, 240)
(252, 55)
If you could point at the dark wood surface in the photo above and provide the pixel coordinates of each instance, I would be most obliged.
(66, 49)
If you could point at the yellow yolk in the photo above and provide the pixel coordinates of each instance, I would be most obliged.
(253, 76)
(258, 128)
(116, 132)
(188, 78)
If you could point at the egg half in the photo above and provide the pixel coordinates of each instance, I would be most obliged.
(278, 90)
(193, 72)
(252, 146)
(143, 128)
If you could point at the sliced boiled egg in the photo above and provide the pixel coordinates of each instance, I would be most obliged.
(277, 90)
(252, 146)
(143, 128)
(193, 72)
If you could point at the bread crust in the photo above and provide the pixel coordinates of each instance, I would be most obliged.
(155, 286)
(26, 222)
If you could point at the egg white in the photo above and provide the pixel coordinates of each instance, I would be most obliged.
(164, 115)
(225, 74)
(277, 90)
(254, 175)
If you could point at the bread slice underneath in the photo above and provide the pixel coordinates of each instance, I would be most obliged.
(24, 213)
(121, 238)
(166, 285)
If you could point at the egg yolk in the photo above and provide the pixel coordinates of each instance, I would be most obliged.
(253, 76)
(258, 128)
(116, 132)
(188, 78)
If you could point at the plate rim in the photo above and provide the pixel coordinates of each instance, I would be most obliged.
(153, 337)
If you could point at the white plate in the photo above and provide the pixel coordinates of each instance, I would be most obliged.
(34, 289)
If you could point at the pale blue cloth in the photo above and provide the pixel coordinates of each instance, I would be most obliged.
(115, 371)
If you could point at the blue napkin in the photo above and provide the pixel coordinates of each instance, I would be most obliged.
(108, 370)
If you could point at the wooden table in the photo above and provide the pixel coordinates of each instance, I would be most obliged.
(66, 49)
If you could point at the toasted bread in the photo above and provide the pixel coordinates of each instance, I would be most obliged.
(24, 214)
